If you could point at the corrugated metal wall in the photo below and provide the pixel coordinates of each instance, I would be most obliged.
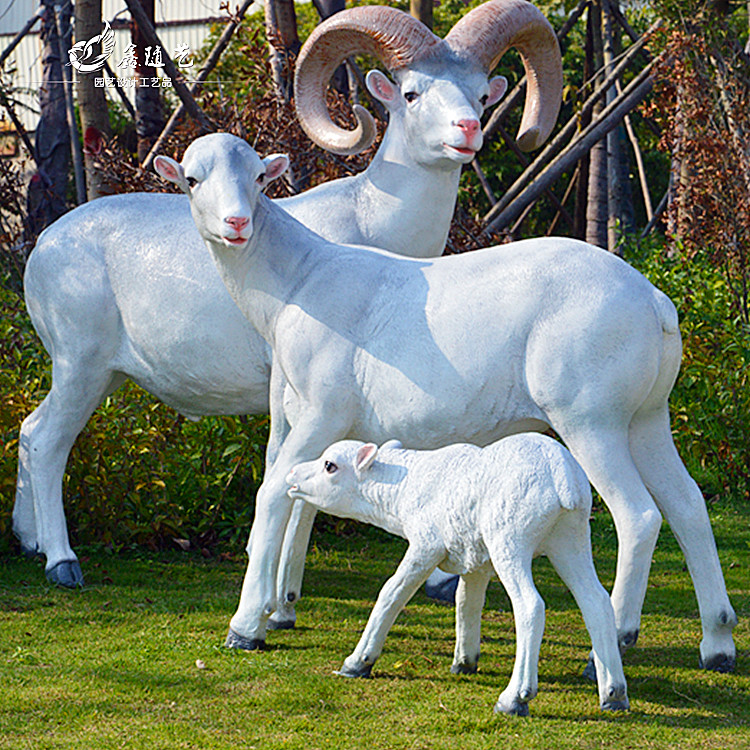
(25, 59)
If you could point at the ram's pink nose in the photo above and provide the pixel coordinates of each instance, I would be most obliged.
(238, 223)
(469, 127)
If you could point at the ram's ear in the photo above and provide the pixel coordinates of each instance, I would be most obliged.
(381, 87)
(498, 87)
(365, 456)
(276, 165)
(171, 170)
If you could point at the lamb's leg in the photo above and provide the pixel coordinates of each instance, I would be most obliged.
(412, 572)
(569, 550)
(47, 435)
(470, 596)
(514, 570)
(682, 504)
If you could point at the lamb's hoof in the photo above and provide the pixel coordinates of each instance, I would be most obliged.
(628, 640)
(67, 573)
(237, 641)
(30, 551)
(463, 668)
(516, 708)
(623, 705)
(280, 624)
(718, 663)
(363, 670)
(589, 671)
(444, 592)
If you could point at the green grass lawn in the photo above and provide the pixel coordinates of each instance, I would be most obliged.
(136, 659)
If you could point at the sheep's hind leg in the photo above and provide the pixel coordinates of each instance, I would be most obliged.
(682, 504)
(412, 572)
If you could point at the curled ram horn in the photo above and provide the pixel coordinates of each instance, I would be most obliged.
(391, 35)
(398, 40)
(488, 31)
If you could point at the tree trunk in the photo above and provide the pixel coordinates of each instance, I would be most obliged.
(149, 115)
(281, 34)
(597, 205)
(92, 102)
(422, 11)
(49, 184)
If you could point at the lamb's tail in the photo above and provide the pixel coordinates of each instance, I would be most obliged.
(571, 482)
(666, 312)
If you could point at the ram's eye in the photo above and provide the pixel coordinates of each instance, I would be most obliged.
(261, 178)
(331, 467)
(411, 96)
(191, 181)
(483, 99)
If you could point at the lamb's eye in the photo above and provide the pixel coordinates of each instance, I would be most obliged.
(261, 178)
(331, 467)
(411, 96)
(483, 99)
(191, 181)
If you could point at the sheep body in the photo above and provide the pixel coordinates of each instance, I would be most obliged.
(471, 348)
(470, 511)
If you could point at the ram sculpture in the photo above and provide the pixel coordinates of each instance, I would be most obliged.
(122, 287)
(534, 334)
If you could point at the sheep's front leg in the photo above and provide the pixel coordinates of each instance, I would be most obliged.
(412, 572)
(247, 629)
(470, 595)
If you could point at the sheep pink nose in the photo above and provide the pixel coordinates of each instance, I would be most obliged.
(238, 223)
(470, 127)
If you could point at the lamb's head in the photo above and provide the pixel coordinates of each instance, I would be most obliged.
(333, 482)
(441, 86)
(222, 176)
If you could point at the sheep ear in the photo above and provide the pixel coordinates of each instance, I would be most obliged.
(395, 444)
(365, 456)
(381, 87)
(170, 170)
(276, 165)
(498, 87)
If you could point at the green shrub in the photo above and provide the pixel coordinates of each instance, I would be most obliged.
(710, 403)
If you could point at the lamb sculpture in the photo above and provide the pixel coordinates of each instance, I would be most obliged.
(475, 512)
(463, 348)
(122, 287)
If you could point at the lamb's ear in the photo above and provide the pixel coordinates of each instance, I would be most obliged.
(276, 165)
(365, 456)
(171, 170)
(395, 444)
(498, 87)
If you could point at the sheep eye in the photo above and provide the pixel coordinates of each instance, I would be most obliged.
(331, 467)
(191, 181)
(483, 99)
(411, 96)
(261, 179)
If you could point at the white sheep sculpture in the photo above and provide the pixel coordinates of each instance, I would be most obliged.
(122, 287)
(468, 348)
(474, 511)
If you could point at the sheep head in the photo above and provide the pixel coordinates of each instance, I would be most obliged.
(422, 63)
(222, 176)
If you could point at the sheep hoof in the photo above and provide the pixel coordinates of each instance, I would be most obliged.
(623, 705)
(364, 670)
(237, 641)
(516, 708)
(444, 592)
(67, 573)
(627, 640)
(463, 668)
(718, 663)
(589, 671)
